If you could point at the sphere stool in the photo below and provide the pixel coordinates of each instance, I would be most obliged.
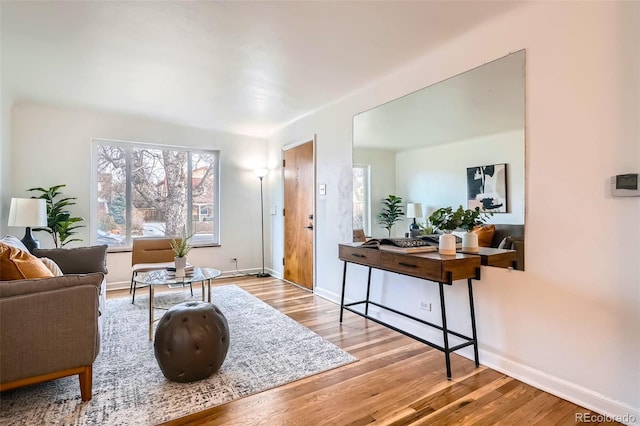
(191, 342)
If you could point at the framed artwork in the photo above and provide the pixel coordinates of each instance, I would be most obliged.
(487, 187)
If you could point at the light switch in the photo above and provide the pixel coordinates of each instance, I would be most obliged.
(323, 189)
(273, 210)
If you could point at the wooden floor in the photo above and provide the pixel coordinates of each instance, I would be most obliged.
(397, 380)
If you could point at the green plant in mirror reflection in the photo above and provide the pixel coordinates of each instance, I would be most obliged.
(391, 212)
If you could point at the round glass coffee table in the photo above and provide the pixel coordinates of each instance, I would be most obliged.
(163, 277)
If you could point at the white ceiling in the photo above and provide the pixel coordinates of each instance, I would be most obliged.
(242, 67)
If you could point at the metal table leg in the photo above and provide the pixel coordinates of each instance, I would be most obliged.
(473, 324)
(344, 280)
(445, 332)
(366, 304)
(151, 312)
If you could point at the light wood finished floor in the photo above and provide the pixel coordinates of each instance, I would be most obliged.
(397, 381)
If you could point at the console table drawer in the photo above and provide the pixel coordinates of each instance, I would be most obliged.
(369, 257)
(413, 265)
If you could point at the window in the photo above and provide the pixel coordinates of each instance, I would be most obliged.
(361, 198)
(152, 191)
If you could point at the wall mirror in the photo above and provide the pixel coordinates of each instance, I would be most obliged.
(427, 146)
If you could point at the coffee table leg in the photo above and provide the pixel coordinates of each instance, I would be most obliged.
(150, 312)
(202, 288)
(209, 289)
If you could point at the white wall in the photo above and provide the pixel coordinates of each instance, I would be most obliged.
(55, 144)
(5, 161)
(436, 176)
(570, 323)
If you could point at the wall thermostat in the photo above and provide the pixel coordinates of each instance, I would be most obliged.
(625, 185)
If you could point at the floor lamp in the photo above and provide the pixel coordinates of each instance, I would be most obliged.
(261, 173)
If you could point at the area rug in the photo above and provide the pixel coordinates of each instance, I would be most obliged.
(267, 349)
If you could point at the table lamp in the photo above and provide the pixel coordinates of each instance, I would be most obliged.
(28, 212)
(414, 210)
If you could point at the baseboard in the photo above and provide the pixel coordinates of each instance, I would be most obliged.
(612, 410)
(124, 285)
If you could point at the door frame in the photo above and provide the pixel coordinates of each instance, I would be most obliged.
(287, 147)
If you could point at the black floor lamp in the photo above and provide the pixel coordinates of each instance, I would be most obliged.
(261, 173)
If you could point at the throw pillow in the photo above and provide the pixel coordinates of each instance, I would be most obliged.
(77, 260)
(13, 241)
(505, 243)
(16, 264)
(508, 242)
(52, 266)
(485, 234)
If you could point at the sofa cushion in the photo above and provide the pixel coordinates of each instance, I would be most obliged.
(30, 286)
(485, 234)
(77, 260)
(16, 264)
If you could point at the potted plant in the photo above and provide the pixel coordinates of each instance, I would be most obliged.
(181, 248)
(426, 228)
(391, 212)
(446, 219)
(469, 220)
(60, 224)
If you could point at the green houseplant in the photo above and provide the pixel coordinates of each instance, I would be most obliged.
(391, 212)
(446, 219)
(181, 246)
(473, 217)
(60, 224)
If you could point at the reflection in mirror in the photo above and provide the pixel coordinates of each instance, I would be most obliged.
(420, 147)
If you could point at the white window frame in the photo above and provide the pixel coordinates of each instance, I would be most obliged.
(96, 142)
(366, 172)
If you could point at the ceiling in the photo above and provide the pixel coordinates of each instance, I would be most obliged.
(241, 67)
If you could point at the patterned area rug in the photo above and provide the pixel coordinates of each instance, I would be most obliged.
(267, 349)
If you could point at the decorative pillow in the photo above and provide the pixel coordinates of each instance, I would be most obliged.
(52, 266)
(13, 241)
(16, 264)
(77, 260)
(485, 234)
(507, 242)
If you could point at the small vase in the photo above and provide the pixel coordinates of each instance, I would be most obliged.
(447, 244)
(470, 242)
(180, 263)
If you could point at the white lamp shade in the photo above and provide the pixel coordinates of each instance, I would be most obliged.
(414, 210)
(261, 172)
(28, 212)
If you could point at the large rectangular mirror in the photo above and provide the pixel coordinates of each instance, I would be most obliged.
(437, 145)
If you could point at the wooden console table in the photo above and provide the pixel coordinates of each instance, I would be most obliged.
(431, 266)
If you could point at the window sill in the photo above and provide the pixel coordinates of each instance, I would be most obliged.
(128, 249)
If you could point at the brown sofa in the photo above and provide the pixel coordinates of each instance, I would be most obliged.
(50, 327)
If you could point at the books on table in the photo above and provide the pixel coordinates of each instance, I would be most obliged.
(417, 249)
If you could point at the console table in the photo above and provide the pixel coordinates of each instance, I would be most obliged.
(432, 266)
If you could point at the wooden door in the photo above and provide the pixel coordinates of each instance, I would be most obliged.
(298, 214)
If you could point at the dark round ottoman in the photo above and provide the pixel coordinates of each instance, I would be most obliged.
(191, 341)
